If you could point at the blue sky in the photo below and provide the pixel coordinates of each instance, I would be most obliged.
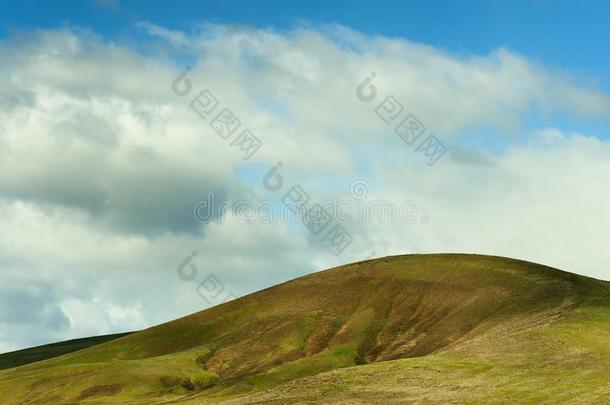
(569, 34)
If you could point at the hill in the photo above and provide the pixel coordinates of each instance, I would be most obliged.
(38, 353)
(446, 328)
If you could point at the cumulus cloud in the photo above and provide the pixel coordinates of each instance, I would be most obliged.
(101, 165)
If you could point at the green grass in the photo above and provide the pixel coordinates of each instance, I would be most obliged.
(436, 328)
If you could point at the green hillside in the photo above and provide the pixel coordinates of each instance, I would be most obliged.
(448, 328)
(38, 353)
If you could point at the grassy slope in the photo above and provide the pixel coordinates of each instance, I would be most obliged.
(559, 357)
(485, 326)
(38, 353)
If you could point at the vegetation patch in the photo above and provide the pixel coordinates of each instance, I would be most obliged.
(100, 391)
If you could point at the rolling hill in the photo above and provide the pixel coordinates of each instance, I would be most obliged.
(38, 353)
(419, 328)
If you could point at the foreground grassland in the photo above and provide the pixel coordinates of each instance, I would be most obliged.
(419, 328)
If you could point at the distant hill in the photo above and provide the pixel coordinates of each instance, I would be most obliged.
(423, 328)
(48, 351)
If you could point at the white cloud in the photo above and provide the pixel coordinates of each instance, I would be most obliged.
(542, 201)
(176, 38)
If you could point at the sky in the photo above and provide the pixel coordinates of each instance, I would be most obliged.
(125, 202)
